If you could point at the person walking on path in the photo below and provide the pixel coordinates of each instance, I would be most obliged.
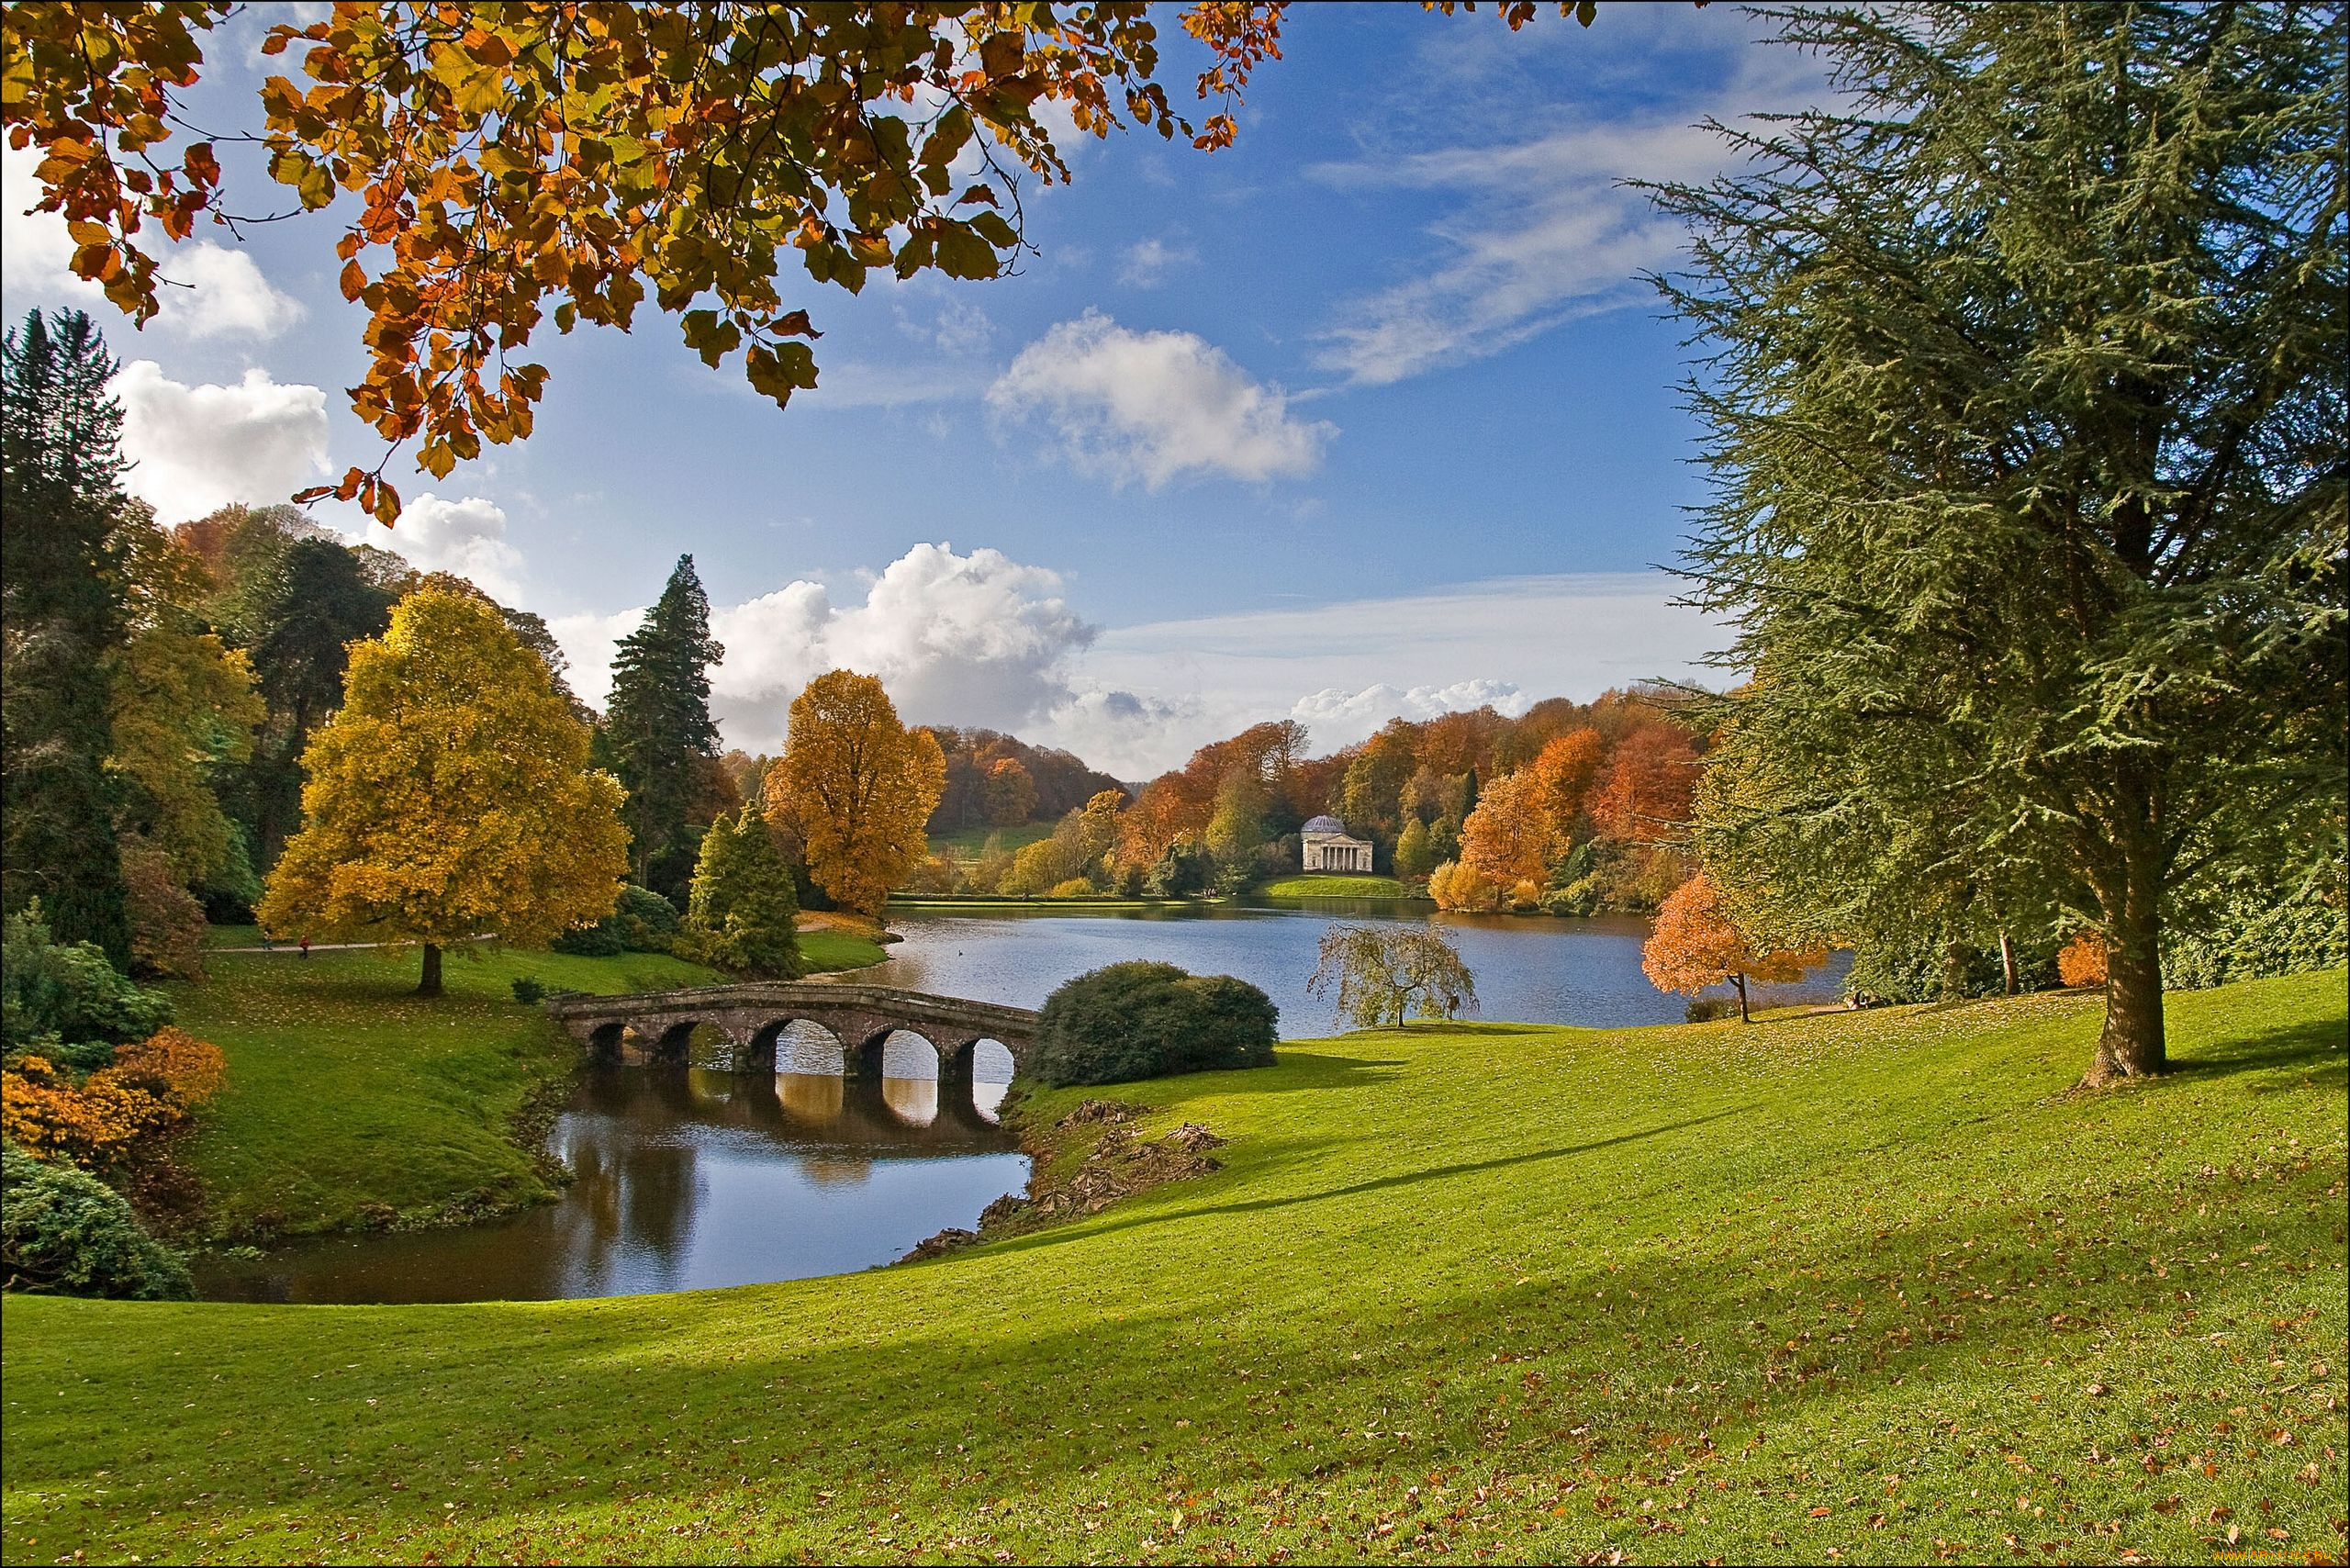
(305, 944)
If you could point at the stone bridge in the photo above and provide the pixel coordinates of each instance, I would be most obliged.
(754, 1016)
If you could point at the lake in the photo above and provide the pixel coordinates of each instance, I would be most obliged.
(1531, 969)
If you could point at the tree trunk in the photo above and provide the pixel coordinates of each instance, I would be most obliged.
(2011, 985)
(2132, 1044)
(430, 984)
(1739, 981)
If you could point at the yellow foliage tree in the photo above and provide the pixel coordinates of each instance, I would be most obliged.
(1507, 839)
(448, 796)
(857, 787)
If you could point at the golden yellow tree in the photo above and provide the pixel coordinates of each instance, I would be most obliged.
(1507, 838)
(856, 788)
(450, 796)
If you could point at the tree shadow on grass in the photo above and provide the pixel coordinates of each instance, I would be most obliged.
(2316, 1046)
(1358, 1189)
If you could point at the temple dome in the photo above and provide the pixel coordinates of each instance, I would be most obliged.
(1322, 824)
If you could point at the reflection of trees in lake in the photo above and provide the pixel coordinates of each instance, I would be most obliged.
(813, 1096)
(914, 1100)
(837, 1169)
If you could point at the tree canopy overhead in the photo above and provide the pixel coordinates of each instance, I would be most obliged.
(2026, 389)
(514, 161)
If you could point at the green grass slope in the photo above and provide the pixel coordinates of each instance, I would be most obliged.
(1879, 1283)
(1325, 887)
(346, 1091)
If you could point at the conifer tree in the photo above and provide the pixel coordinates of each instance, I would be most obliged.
(743, 911)
(61, 616)
(2026, 384)
(659, 732)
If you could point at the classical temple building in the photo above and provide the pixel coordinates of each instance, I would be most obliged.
(1324, 844)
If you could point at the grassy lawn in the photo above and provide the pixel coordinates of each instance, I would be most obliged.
(345, 1092)
(1881, 1283)
(1325, 886)
(966, 844)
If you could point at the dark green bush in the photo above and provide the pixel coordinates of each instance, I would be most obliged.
(528, 992)
(644, 922)
(1706, 1009)
(2255, 933)
(62, 1229)
(66, 995)
(1147, 1020)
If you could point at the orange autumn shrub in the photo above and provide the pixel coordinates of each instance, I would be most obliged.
(172, 1065)
(149, 1089)
(2081, 960)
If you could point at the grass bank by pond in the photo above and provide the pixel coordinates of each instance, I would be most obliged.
(350, 1100)
(1337, 888)
(1880, 1283)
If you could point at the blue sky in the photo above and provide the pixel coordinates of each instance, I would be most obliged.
(1369, 415)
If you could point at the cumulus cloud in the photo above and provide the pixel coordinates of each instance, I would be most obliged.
(961, 639)
(466, 536)
(211, 291)
(1154, 407)
(196, 448)
(1145, 264)
(1336, 717)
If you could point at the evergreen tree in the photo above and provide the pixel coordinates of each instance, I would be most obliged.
(61, 614)
(305, 600)
(658, 728)
(2026, 379)
(744, 913)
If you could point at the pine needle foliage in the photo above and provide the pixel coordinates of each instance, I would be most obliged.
(2025, 381)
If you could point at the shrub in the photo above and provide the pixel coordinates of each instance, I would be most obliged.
(166, 921)
(2258, 931)
(528, 992)
(149, 1089)
(1147, 1020)
(642, 922)
(61, 1229)
(1075, 888)
(67, 994)
(1706, 1009)
(2083, 961)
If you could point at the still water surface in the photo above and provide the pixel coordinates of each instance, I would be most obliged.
(1529, 969)
(691, 1178)
(687, 1179)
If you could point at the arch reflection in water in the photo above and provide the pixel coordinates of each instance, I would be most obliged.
(683, 1179)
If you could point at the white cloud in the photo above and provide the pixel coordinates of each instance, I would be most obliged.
(1155, 407)
(1336, 717)
(1544, 230)
(1146, 263)
(960, 639)
(210, 291)
(466, 536)
(197, 448)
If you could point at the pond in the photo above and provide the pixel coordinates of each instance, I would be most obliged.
(689, 1177)
(1529, 969)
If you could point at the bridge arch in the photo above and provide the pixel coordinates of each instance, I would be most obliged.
(897, 1051)
(796, 1045)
